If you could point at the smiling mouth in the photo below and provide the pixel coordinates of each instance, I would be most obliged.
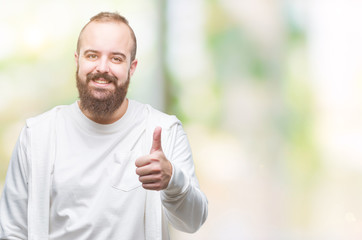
(101, 81)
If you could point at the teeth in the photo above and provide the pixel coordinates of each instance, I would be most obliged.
(101, 81)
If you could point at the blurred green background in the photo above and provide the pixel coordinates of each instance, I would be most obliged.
(269, 92)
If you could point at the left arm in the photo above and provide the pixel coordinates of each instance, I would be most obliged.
(184, 204)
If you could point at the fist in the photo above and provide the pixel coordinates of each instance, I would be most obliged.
(154, 170)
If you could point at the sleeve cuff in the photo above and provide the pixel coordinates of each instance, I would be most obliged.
(178, 184)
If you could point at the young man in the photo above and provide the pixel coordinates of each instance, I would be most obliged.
(105, 167)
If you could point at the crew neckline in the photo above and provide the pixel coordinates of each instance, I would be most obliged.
(93, 127)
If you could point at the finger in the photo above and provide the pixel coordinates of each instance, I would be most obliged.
(143, 161)
(153, 178)
(152, 186)
(148, 170)
(156, 143)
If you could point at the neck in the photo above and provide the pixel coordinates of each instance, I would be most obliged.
(107, 119)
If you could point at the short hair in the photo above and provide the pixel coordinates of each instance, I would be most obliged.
(111, 17)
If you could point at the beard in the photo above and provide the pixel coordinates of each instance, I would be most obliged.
(109, 100)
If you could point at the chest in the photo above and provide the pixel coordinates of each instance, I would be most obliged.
(95, 181)
(87, 160)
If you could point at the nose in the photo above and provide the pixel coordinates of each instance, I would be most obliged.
(102, 66)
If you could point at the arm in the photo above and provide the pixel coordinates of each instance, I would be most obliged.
(14, 200)
(184, 204)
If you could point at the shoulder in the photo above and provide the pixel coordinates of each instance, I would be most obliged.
(170, 124)
(45, 118)
(159, 118)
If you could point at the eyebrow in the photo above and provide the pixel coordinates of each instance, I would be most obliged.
(113, 53)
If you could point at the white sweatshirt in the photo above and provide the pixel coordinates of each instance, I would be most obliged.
(94, 190)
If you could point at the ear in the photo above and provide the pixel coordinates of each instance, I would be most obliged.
(133, 66)
(76, 58)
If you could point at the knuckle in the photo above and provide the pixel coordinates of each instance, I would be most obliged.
(154, 159)
(160, 186)
(156, 169)
(138, 162)
(158, 178)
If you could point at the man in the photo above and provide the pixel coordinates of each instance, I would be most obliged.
(105, 167)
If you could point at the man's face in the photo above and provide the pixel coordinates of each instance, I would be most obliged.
(104, 67)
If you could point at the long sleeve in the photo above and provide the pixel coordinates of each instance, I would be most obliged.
(185, 206)
(14, 200)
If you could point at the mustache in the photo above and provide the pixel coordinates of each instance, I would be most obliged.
(105, 76)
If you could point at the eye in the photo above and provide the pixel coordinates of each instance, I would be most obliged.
(117, 59)
(91, 56)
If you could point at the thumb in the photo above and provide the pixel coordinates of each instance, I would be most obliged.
(156, 143)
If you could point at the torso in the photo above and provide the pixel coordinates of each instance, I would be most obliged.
(96, 193)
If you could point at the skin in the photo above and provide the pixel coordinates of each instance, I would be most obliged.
(154, 169)
(105, 47)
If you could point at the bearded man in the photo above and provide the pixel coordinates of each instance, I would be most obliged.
(104, 167)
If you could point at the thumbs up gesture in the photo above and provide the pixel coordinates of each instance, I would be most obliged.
(154, 169)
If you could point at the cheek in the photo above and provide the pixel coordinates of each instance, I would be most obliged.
(85, 68)
(121, 73)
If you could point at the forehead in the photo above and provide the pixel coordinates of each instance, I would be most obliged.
(106, 36)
